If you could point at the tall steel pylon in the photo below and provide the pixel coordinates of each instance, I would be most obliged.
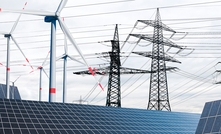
(114, 70)
(114, 91)
(158, 92)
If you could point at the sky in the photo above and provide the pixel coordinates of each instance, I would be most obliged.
(91, 24)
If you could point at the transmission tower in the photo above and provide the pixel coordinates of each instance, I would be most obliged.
(158, 92)
(114, 70)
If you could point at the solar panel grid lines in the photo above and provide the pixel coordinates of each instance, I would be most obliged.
(33, 117)
(210, 120)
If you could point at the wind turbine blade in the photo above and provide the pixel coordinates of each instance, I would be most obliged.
(17, 78)
(61, 6)
(45, 59)
(2, 64)
(3, 33)
(30, 12)
(45, 72)
(14, 26)
(75, 60)
(21, 51)
(65, 45)
(60, 57)
(71, 38)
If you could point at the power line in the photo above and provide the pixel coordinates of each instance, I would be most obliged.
(135, 10)
(95, 4)
(209, 88)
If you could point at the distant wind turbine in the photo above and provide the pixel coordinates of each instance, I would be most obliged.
(10, 36)
(52, 17)
(65, 56)
(41, 68)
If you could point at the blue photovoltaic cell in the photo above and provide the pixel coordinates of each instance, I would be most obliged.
(206, 109)
(201, 126)
(217, 124)
(33, 117)
(209, 125)
(210, 121)
(214, 108)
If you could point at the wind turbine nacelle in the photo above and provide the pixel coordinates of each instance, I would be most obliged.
(7, 35)
(50, 18)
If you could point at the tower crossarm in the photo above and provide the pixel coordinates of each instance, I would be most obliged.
(124, 70)
(154, 24)
(106, 70)
(107, 55)
(165, 42)
(166, 57)
(99, 71)
(103, 54)
(168, 68)
(169, 43)
(171, 69)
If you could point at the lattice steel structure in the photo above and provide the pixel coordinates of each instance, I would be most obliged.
(114, 92)
(114, 71)
(158, 92)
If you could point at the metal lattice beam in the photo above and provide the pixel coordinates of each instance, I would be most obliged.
(164, 41)
(153, 24)
(106, 70)
(166, 56)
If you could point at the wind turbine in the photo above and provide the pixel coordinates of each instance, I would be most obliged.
(13, 87)
(65, 56)
(10, 36)
(52, 17)
(41, 68)
(40, 77)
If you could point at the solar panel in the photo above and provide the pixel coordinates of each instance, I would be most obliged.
(13, 92)
(210, 120)
(33, 117)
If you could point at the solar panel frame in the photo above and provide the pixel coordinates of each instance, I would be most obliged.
(210, 120)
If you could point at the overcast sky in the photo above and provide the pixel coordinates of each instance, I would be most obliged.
(94, 21)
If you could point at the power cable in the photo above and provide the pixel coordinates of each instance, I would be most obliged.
(96, 4)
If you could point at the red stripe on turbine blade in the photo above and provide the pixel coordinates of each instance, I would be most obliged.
(91, 71)
(31, 71)
(0, 9)
(40, 88)
(24, 6)
(8, 69)
(52, 90)
(101, 86)
(27, 60)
